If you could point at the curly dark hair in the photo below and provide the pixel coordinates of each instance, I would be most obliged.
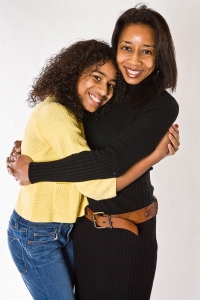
(61, 73)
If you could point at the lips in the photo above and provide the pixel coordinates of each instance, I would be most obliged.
(133, 73)
(95, 99)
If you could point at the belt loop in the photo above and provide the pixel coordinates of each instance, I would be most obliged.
(110, 222)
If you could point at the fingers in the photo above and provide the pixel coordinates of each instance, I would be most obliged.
(14, 156)
(9, 166)
(17, 144)
(176, 127)
(9, 162)
(171, 150)
(16, 150)
(11, 158)
(10, 170)
(174, 136)
(175, 144)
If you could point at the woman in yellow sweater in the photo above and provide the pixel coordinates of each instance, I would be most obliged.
(40, 225)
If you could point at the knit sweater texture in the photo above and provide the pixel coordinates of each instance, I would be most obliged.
(53, 132)
(115, 264)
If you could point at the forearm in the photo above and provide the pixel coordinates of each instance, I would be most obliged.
(137, 170)
(134, 142)
(84, 166)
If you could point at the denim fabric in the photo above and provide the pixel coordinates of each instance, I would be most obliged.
(43, 254)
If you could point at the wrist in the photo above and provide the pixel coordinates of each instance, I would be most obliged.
(158, 155)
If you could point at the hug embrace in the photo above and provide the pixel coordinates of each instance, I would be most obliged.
(85, 216)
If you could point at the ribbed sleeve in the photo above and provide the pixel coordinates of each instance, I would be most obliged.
(138, 139)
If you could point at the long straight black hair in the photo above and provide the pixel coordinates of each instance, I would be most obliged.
(165, 73)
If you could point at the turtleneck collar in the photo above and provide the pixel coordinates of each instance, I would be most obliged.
(131, 88)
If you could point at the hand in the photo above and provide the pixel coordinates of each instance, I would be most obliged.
(19, 168)
(16, 151)
(174, 137)
(169, 143)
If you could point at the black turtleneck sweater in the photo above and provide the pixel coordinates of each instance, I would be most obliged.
(114, 264)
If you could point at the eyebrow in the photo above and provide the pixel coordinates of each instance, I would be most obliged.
(104, 75)
(149, 46)
(145, 45)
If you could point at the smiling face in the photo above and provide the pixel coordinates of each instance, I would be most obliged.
(136, 55)
(96, 86)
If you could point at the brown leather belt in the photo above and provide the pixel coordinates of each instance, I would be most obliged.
(126, 221)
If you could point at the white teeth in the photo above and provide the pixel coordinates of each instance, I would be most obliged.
(133, 72)
(94, 98)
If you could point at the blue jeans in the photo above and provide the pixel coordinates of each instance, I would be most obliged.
(43, 254)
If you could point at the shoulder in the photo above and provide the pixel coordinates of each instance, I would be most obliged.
(169, 103)
(50, 113)
(168, 98)
(50, 105)
(51, 109)
(165, 102)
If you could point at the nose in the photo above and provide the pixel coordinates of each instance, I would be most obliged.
(102, 90)
(134, 59)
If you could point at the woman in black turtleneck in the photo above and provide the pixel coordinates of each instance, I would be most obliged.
(115, 264)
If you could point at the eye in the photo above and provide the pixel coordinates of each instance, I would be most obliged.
(97, 78)
(126, 48)
(146, 51)
(111, 85)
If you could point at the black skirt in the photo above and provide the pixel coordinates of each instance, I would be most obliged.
(114, 263)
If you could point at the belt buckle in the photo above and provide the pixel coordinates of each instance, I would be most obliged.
(99, 213)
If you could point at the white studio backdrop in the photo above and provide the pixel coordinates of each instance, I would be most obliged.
(32, 31)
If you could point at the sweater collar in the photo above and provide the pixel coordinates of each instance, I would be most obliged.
(131, 88)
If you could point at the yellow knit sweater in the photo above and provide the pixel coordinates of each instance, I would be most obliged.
(53, 132)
